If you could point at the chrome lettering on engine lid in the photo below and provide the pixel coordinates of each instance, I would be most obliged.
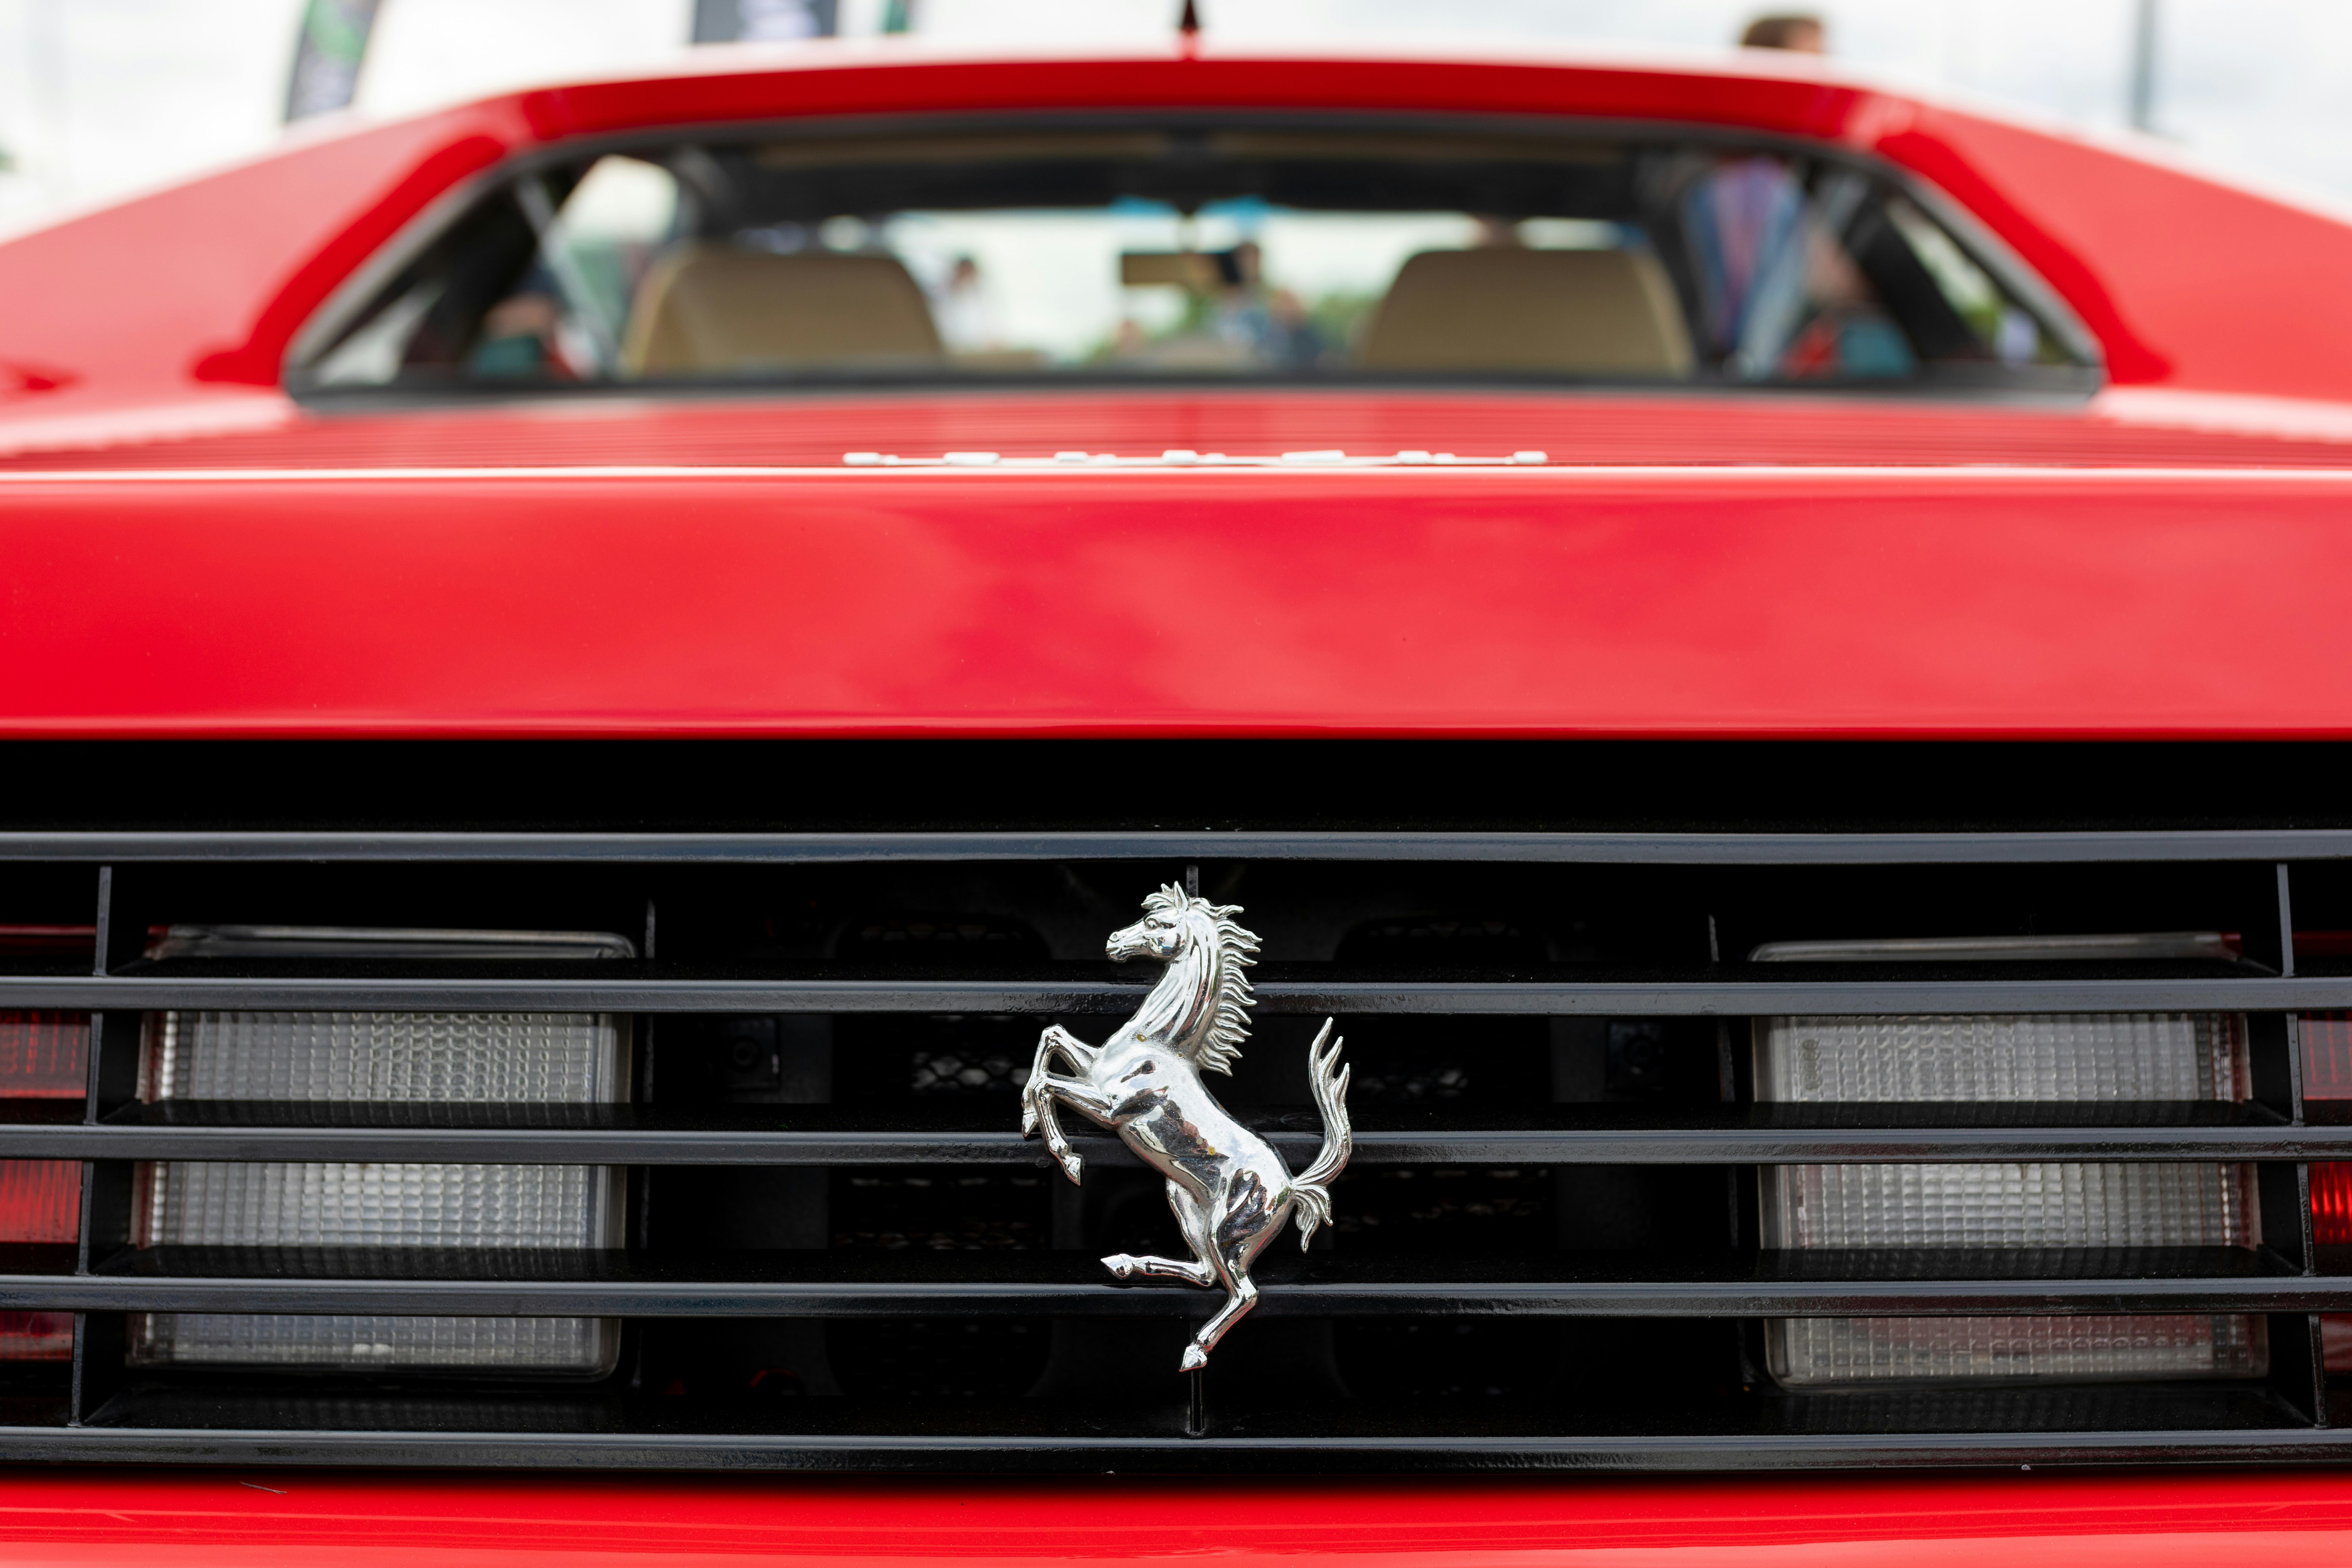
(1229, 1189)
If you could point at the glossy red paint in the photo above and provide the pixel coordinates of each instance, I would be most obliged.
(137, 302)
(1531, 602)
(287, 1516)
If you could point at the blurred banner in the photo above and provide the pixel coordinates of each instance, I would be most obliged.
(327, 54)
(763, 21)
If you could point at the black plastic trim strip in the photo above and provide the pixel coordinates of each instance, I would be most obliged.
(840, 849)
(1090, 1452)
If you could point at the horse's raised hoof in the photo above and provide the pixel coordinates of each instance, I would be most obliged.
(1071, 1166)
(1196, 1358)
(1121, 1263)
(1028, 1120)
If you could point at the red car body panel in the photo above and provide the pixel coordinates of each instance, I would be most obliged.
(183, 551)
(1505, 601)
(220, 1518)
(285, 606)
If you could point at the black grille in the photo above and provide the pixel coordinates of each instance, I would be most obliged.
(840, 1253)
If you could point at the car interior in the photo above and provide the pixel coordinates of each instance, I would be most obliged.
(1214, 252)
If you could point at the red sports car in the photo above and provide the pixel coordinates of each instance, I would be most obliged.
(760, 770)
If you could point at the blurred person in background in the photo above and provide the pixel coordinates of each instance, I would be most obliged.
(521, 341)
(1260, 324)
(1803, 34)
(965, 314)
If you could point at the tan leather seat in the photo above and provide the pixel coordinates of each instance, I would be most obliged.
(715, 310)
(1591, 312)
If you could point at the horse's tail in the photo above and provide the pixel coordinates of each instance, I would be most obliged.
(1310, 1190)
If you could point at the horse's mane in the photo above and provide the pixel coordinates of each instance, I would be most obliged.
(1221, 1043)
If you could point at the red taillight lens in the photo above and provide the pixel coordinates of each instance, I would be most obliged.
(43, 1055)
(2327, 1055)
(40, 1201)
(40, 1204)
(62, 942)
(2331, 1226)
(2331, 1205)
(36, 1336)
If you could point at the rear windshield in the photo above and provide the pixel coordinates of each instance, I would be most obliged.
(1217, 252)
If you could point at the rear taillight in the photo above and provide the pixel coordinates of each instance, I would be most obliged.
(2331, 1205)
(40, 1206)
(1973, 1059)
(43, 1055)
(387, 1058)
(2327, 1076)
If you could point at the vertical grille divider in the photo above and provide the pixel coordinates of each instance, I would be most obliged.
(101, 926)
(2315, 1344)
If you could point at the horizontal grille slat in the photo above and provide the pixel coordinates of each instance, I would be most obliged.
(865, 848)
(803, 1139)
(1689, 996)
(2265, 1437)
(2119, 1426)
(1066, 1284)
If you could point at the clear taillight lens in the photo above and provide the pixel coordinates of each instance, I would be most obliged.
(582, 1346)
(411, 1059)
(1974, 1058)
(2010, 1206)
(385, 1058)
(1830, 1351)
(1970, 1058)
(189, 1203)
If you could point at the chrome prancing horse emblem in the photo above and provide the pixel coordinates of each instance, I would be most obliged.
(1230, 1190)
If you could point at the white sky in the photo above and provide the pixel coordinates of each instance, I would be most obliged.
(101, 97)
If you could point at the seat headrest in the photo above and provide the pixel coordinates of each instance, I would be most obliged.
(715, 308)
(1594, 312)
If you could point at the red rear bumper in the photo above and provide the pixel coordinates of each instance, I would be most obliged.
(2142, 1520)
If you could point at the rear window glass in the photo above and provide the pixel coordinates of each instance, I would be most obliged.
(1218, 252)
